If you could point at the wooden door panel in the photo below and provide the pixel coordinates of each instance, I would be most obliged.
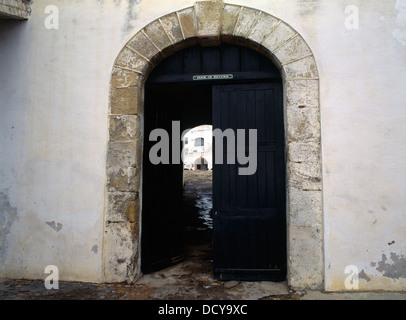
(162, 227)
(249, 229)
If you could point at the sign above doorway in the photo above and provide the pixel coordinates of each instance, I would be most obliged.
(213, 77)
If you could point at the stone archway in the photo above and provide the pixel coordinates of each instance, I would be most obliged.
(210, 23)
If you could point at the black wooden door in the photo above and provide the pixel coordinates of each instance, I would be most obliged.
(249, 229)
(162, 227)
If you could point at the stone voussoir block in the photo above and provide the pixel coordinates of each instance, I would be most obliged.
(281, 34)
(263, 27)
(172, 27)
(246, 20)
(304, 68)
(158, 35)
(230, 18)
(188, 23)
(144, 46)
(292, 50)
(129, 59)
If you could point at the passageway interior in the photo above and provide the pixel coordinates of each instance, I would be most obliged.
(197, 210)
(176, 202)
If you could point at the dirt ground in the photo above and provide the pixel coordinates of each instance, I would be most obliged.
(187, 280)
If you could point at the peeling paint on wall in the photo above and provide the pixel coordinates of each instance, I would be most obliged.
(8, 215)
(95, 249)
(394, 269)
(56, 226)
(363, 275)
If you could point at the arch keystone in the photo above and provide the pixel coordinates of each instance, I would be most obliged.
(209, 17)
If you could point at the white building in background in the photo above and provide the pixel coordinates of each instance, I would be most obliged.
(197, 148)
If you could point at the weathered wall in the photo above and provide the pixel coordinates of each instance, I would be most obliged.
(54, 103)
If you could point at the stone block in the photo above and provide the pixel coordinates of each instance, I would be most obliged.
(305, 176)
(279, 35)
(303, 124)
(142, 45)
(304, 152)
(209, 16)
(129, 59)
(158, 35)
(121, 78)
(187, 20)
(123, 179)
(246, 21)
(303, 240)
(302, 93)
(124, 154)
(124, 128)
(13, 9)
(123, 207)
(305, 276)
(172, 27)
(305, 261)
(264, 26)
(303, 68)
(125, 101)
(292, 50)
(230, 17)
(120, 252)
(305, 207)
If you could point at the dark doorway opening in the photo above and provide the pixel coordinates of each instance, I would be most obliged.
(170, 218)
(229, 87)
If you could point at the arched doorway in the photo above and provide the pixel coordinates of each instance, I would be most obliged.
(201, 164)
(211, 23)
